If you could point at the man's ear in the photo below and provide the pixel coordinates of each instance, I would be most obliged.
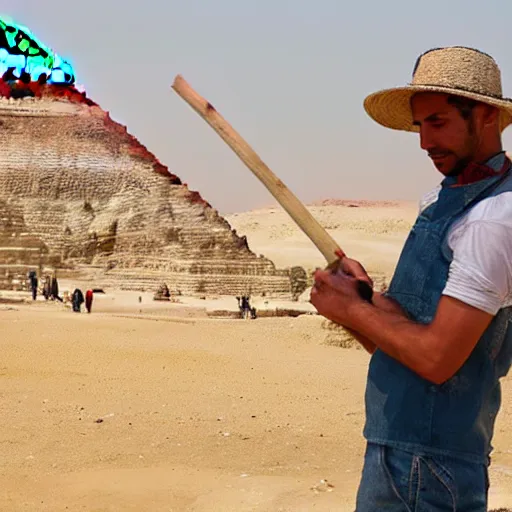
(491, 115)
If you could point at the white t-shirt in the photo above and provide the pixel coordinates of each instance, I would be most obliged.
(480, 273)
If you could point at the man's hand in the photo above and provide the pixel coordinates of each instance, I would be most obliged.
(333, 294)
(326, 298)
(329, 300)
(352, 268)
(355, 269)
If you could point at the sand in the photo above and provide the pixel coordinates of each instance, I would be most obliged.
(372, 234)
(154, 406)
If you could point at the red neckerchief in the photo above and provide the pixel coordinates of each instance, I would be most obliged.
(475, 172)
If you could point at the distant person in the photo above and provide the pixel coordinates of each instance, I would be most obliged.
(77, 300)
(32, 276)
(54, 289)
(88, 300)
(245, 307)
(248, 309)
(47, 287)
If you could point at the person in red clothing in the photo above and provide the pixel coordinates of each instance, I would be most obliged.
(88, 300)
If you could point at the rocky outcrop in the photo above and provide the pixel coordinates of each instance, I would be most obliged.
(83, 194)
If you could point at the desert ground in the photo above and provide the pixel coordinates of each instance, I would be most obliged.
(157, 407)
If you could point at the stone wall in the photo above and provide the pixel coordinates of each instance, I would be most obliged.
(76, 185)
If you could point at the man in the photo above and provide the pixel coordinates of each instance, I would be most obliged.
(32, 276)
(54, 288)
(440, 337)
(89, 295)
(77, 300)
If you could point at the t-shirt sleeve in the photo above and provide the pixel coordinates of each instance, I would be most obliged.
(481, 270)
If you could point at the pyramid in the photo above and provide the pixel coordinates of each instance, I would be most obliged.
(78, 193)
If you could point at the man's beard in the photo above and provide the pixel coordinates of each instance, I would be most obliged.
(459, 166)
(471, 144)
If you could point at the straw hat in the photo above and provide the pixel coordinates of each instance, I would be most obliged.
(454, 70)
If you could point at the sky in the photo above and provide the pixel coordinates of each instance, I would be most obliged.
(289, 75)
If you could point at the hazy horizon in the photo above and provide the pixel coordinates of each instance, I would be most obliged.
(290, 77)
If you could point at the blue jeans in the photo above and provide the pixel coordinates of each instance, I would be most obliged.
(397, 481)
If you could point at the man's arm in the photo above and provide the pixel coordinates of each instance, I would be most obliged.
(385, 304)
(435, 351)
(368, 345)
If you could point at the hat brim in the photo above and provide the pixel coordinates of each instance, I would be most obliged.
(392, 107)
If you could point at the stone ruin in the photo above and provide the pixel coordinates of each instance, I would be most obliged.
(78, 193)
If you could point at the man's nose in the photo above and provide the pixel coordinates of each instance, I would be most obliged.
(426, 140)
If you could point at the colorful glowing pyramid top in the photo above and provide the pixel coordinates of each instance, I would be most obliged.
(23, 57)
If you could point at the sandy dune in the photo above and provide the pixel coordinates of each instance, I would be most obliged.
(374, 235)
(155, 407)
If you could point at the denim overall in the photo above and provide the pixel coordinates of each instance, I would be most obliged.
(408, 413)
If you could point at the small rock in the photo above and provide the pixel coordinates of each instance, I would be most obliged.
(323, 486)
(99, 420)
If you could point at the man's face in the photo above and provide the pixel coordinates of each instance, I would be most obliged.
(450, 140)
